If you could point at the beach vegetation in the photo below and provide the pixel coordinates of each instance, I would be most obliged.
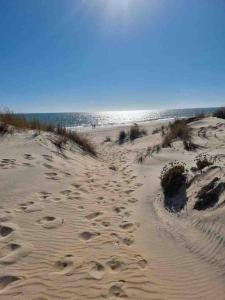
(173, 177)
(122, 137)
(177, 130)
(17, 121)
(136, 132)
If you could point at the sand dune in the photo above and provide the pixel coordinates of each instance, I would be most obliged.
(77, 227)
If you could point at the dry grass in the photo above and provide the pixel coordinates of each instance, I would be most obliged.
(177, 130)
(134, 133)
(122, 137)
(77, 138)
(8, 118)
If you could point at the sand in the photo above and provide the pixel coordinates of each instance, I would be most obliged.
(76, 227)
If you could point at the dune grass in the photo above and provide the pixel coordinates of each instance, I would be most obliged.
(132, 134)
(10, 121)
(177, 130)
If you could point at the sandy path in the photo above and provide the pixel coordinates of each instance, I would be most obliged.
(73, 227)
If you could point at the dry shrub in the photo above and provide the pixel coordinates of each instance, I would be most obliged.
(220, 113)
(136, 132)
(173, 177)
(177, 130)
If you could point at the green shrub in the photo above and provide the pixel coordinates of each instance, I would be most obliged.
(173, 176)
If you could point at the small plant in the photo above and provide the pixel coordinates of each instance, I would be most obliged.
(203, 160)
(122, 137)
(173, 177)
(220, 113)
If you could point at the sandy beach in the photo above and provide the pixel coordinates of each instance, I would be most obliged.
(77, 227)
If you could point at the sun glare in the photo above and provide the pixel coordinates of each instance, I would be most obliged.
(119, 12)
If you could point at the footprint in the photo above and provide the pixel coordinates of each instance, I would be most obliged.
(97, 270)
(5, 230)
(93, 215)
(28, 156)
(28, 165)
(52, 176)
(115, 264)
(47, 157)
(13, 251)
(50, 222)
(87, 235)
(117, 291)
(65, 265)
(106, 223)
(142, 263)
(50, 167)
(119, 209)
(127, 226)
(66, 192)
(30, 206)
(44, 195)
(5, 215)
(128, 240)
(7, 280)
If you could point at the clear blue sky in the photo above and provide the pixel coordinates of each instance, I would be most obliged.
(85, 55)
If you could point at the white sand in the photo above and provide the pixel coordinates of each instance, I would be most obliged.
(76, 227)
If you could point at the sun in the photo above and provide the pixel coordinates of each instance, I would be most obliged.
(114, 11)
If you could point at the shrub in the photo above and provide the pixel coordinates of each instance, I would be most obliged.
(204, 160)
(220, 113)
(173, 176)
(122, 137)
(136, 132)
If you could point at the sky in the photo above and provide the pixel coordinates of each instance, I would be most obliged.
(101, 55)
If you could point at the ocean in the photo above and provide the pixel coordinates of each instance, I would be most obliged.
(79, 120)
